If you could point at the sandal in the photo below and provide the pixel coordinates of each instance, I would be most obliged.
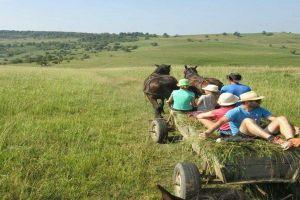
(285, 145)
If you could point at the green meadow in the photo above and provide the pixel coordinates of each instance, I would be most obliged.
(216, 50)
(79, 130)
(279, 49)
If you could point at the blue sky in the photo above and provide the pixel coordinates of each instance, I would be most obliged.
(153, 16)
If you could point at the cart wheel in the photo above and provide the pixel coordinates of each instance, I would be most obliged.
(186, 180)
(159, 130)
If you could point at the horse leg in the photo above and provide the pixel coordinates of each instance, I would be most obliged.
(155, 105)
(161, 105)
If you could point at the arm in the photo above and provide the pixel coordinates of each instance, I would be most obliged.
(170, 100)
(217, 125)
(205, 115)
(199, 101)
(193, 103)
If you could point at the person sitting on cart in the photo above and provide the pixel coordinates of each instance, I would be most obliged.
(227, 101)
(235, 87)
(208, 101)
(245, 119)
(182, 99)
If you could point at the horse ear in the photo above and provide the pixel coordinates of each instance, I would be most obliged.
(185, 67)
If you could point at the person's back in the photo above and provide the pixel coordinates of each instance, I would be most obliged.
(208, 101)
(182, 99)
(236, 88)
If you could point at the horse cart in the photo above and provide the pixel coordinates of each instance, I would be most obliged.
(255, 163)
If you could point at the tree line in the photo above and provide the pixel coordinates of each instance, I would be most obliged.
(74, 45)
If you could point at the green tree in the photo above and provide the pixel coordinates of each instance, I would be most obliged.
(165, 35)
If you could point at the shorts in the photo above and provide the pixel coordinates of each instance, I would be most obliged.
(224, 133)
(228, 133)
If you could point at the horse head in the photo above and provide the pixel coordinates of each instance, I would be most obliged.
(190, 71)
(162, 69)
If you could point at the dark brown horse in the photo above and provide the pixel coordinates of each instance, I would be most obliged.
(159, 86)
(198, 82)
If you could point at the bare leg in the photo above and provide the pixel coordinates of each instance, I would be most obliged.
(281, 123)
(273, 127)
(249, 127)
(206, 122)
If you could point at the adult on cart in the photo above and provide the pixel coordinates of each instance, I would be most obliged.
(227, 102)
(235, 87)
(245, 121)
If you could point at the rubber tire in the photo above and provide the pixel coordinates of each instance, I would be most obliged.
(159, 130)
(190, 180)
(295, 188)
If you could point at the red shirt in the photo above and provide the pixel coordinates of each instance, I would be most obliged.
(219, 113)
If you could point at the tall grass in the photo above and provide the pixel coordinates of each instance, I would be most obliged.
(78, 134)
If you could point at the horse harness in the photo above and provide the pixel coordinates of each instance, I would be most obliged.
(152, 77)
(198, 83)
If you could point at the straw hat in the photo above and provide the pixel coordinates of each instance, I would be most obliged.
(211, 88)
(227, 99)
(250, 96)
(183, 82)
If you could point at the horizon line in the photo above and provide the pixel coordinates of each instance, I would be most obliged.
(80, 32)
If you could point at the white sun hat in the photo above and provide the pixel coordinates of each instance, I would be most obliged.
(250, 96)
(211, 88)
(227, 99)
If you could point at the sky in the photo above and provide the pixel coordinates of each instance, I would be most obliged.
(153, 16)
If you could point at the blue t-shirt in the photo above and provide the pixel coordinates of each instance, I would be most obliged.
(238, 114)
(236, 89)
(182, 99)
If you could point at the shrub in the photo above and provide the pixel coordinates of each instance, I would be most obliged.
(85, 56)
(16, 61)
(269, 34)
(237, 34)
(165, 35)
(293, 51)
(154, 44)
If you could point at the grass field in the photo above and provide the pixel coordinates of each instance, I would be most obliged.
(82, 133)
(79, 130)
